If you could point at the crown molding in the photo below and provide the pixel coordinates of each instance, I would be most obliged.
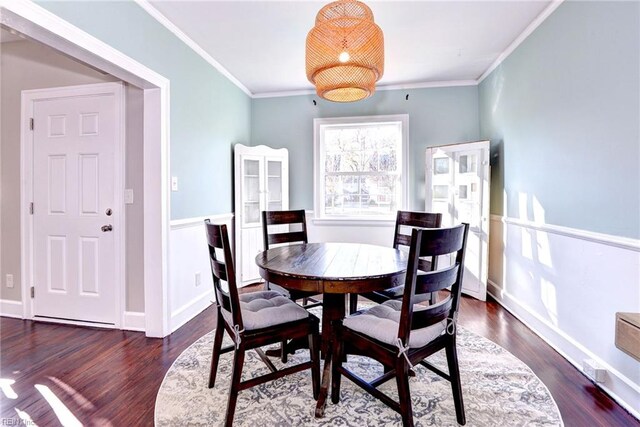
(279, 94)
(421, 85)
(155, 13)
(522, 37)
(427, 85)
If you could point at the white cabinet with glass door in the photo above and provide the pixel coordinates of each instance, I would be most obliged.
(457, 185)
(261, 183)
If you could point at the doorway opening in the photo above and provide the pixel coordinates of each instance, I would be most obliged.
(35, 23)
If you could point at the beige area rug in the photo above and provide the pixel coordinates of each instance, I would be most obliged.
(498, 390)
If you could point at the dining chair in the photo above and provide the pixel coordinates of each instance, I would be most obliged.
(253, 320)
(276, 230)
(405, 220)
(402, 334)
(280, 218)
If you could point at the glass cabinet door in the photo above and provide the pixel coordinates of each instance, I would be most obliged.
(251, 191)
(274, 184)
(467, 188)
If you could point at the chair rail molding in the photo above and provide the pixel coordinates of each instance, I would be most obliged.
(566, 285)
(591, 236)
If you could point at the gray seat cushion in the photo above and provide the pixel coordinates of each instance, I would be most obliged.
(266, 308)
(381, 322)
(393, 293)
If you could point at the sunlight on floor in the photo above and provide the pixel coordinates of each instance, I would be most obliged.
(82, 401)
(63, 413)
(5, 385)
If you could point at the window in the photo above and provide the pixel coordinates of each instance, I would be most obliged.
(360, 165)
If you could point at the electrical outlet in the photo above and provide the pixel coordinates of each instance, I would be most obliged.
(174, 183)
(593, 370)
(198, 278)
(9, 280)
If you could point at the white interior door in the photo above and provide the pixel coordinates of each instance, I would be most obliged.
(74, 173)
(458, 187)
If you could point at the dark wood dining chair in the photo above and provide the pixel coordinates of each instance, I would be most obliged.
(401, 334)
(404, 220)
(278, 218)
(253, 320)
(273, 219)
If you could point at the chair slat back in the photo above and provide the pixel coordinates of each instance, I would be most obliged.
(429, 243)
(413, 220)
(274, 218)
(223, 270)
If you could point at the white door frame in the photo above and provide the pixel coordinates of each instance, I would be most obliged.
(41, 25)
(29, 97)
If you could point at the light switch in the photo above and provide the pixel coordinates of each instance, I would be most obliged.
(174, 183)
(128, 196)
(9, 280)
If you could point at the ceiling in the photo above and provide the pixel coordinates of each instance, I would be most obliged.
(262, 43)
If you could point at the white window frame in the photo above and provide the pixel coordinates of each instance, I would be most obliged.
(318, 169)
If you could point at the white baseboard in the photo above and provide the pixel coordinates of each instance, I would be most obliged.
(11, 308)
(190, 310)
(133, 321)
(564, 344)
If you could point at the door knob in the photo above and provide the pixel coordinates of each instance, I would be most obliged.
(107, 227)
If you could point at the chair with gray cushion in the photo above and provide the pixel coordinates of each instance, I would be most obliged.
(405, 220)
(402, 334)
(271, 219)
(287, 219)
(253, 320)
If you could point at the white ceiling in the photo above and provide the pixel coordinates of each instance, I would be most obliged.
(262, 43)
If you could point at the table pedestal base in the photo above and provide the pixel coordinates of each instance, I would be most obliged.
(332, 310)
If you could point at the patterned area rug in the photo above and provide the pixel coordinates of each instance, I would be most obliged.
(498, 390)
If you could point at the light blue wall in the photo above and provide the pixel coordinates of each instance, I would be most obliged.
(208, 112)
(436, 116)
(563, 115)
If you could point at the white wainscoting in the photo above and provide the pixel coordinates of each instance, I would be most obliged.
(566, 285)
(371, 232)
(187, 256)
(11, 308)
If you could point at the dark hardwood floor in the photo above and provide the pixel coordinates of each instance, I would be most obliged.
(110, 378)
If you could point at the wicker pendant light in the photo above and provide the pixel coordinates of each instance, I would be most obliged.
(345, 52)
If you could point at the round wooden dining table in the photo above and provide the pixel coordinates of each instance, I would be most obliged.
(333, 270)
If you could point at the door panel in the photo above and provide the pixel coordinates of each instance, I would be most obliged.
(457, 186)
(74, 142)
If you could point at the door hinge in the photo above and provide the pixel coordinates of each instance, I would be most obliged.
(31, 123)
(33, 292)
(31, 208)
